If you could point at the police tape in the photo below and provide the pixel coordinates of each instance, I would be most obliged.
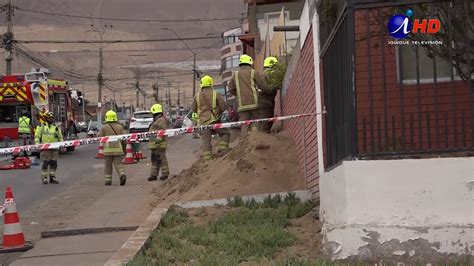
(139, 136)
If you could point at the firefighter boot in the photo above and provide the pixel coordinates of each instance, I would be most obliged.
(152, 178)
(163, 177)
(52, 180)
(44, 180)
(123, 180)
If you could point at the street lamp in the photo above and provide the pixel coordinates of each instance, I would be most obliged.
(194, 57)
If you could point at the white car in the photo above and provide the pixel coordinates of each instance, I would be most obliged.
(187, 122)
(140, 121)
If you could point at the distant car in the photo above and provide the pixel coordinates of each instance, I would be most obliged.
(178, 122)
(140, 121)
(187, 121)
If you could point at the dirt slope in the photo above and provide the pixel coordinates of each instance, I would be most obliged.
(259, 164)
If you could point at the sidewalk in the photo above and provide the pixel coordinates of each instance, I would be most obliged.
(121, 206)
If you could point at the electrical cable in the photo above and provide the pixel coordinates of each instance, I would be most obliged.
(129, 20)
(119, 41)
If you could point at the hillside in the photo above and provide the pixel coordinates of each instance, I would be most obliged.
(83, 58)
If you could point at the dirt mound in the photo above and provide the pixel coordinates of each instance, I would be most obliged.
(261, 163)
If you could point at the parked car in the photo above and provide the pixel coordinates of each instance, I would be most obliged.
(187, 122)
(140, 121)
(178, 122)
(92, 129)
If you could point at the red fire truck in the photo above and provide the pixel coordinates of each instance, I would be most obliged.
(34, 93)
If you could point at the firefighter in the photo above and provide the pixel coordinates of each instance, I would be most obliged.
(245, 84)
(209, 105)
(157, 145)
(48, 133)
(113, 150)
(267, 99)
(24, 129)
(194, 119)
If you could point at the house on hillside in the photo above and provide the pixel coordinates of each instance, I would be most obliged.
(390, 149)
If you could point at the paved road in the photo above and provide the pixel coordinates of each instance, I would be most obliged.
(26, 184)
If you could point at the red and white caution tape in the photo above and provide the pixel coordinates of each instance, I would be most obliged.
(139, 136)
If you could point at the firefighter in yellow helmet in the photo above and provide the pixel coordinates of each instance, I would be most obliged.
(157, 145)
(245, 85)
(209, 105)
(113, 150)
(48, 133)
(267, 99)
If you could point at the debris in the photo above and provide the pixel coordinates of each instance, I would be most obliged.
(229, 175)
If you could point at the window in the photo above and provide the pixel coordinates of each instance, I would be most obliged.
(230, 62)
(425, 64)
(230, 39)
(8, 114)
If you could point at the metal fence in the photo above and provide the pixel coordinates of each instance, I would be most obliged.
(387, 100)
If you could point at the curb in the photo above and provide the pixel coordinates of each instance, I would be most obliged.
(303, 195)
(138, 239)
(134, 244)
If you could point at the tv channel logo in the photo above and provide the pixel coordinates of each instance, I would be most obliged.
(400, 25)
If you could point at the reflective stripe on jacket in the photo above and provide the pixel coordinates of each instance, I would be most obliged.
(249, 106)
(112, 148)
(158, 142)
(24, 125)
(211, 116)
(48, 134)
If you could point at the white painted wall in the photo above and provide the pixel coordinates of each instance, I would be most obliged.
(414, 192)
(304, 23)
(399, 200)
(318, 90)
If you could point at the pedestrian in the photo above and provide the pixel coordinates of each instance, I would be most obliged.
(48, 133)
(267, 98)
(209, 105)
(24, 129)
(113, 150)
(244, 84)
(157, 145)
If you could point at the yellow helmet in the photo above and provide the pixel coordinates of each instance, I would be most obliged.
(207, 81)
(270, 61)
(111, 116)
(156, 108)
(245, 59)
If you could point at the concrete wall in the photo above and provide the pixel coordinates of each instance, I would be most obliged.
(370, 208)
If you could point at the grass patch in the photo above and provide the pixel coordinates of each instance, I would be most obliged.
(254, 232)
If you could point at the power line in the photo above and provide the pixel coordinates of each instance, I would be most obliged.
(127, 50)
(129, 20)
(120, 41)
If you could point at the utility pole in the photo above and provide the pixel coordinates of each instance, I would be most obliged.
(179, 95)
(137, 87)
(8, 38)
(83, 104)
(194, 73)
(100, 78)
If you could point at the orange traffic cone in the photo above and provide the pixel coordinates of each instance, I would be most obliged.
(13, 238)
(139, 154)
(128, 159)
(100, 153)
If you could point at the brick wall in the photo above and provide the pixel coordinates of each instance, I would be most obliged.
(440, 115)
(300, 98)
